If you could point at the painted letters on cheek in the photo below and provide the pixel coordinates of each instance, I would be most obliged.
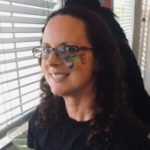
(84, 58)
(72, 61)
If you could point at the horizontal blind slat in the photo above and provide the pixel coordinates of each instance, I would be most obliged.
(17, 116)
(17, 88)
(22, 49)
(20, 105)
(14, 40)
(14, 19)
(39, 3)
(19, 69)
(16, 60)
(30, 92)
(24, 10)
(24, 86)
(19, 78)
(20, 30)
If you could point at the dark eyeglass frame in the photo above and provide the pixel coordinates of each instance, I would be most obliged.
(63, 50)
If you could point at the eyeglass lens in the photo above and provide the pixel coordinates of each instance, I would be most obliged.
(63, 50)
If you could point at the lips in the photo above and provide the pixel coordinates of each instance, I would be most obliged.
(59, 76)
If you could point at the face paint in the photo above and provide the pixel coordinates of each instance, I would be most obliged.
(85, 57)
(70, 61)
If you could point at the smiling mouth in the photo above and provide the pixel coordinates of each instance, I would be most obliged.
(59, 76)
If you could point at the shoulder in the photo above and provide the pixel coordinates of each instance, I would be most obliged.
(35, 133)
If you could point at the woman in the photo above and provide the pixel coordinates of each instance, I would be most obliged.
(139, 97)
(84, 105)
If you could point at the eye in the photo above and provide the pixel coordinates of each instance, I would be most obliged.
(70, 49)
(67, 50)
(60, 49)
(45, 50)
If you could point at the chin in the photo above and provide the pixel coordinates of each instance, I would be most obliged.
(58, 93)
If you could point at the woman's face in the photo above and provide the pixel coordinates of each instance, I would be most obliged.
(67, 78)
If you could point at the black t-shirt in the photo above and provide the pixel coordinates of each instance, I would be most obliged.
(72, 135)
(68, 135)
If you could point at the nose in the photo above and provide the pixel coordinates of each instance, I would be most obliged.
(53, 59)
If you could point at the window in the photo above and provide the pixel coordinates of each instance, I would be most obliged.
(20, 30)
(124, 9)
(125, 12)
(144, 54)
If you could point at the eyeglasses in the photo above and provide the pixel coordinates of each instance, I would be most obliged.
(63, 50)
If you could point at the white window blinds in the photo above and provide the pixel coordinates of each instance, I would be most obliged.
(20, 30)
(144, 56)
(124, 9)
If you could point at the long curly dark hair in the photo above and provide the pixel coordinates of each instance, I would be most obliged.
(111, 95)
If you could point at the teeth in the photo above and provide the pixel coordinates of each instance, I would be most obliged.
(59, 77)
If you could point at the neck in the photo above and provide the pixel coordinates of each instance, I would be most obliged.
(79, 107)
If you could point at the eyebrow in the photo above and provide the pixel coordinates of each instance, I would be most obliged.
(45, 44)
(63, 43)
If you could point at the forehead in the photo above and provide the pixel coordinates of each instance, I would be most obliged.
(66, 20)
(65, 27)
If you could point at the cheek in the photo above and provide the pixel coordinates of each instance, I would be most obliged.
(85, 58)
(84, 63)
(81, 59)
(44, 68)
